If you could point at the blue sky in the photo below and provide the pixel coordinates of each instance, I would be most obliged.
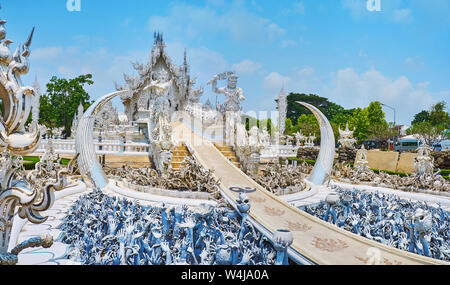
(336, 49)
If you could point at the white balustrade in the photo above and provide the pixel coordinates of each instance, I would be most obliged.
(105, 147)
(273, 151)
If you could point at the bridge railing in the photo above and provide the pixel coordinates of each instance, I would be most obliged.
(274, 151)
(61, 146)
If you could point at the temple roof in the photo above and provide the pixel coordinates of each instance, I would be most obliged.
(179, 74)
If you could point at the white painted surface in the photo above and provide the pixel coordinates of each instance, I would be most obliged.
(155, 198)
(24, 230)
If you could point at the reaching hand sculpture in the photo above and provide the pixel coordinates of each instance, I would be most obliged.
(411, 226)
(161, 235)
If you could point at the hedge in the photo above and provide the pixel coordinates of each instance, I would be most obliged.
(29, 162)
(311, 162)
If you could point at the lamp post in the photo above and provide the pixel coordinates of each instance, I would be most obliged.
(394, 118)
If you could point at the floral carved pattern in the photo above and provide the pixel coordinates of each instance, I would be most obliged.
(298, 227)
(273, 211)
(385, 261)
(329, 245)
(258, 199)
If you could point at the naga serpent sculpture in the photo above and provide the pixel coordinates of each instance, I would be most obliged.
(18, 195)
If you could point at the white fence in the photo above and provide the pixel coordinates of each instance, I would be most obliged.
(111, 147)
(274, 151)
(105, 147)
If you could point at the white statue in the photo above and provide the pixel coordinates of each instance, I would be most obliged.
(234, 95)
(241, 135)
(299, 137)
(423, 163)
(346, 137)
(253, 138)
(264, 137)
(361, 163)
(310, 140)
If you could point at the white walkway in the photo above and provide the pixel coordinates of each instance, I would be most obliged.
(55, 255)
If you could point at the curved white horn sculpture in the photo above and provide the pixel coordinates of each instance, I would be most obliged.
(324, 163)
(84, 142)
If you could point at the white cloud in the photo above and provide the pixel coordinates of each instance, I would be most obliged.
(402, 15)
(299, 7)
(275, 31)
(246, 67)
(205, 63)
(274, 81)
(444, 95)
(185, 20)
(357, 7)
(351, 90)
(47, 53)
(288, 43)
(414, 63)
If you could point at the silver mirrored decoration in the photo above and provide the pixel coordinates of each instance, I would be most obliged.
(19, 196)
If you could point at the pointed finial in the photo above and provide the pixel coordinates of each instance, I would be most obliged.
(30, 38)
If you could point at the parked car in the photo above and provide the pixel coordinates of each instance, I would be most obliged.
(445, 145)
(407, 144)
(436, 147)
(372, 143)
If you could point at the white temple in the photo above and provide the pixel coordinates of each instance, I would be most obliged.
(159, 84)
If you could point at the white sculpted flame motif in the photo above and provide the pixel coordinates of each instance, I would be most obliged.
(346, 137)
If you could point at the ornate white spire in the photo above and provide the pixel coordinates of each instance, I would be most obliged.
(282, 110)
(35, 105)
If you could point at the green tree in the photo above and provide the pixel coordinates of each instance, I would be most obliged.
(425, 130)
(308, 124)
(375, 114)
(360, 121)
(438, 116)
(295, 110)
(378, 127)
(423, 116)
(342, 117)
(288, 127)
(60, 103)
(430, 124)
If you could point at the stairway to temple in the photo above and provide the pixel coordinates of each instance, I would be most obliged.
(179, 153)
(228, 152)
